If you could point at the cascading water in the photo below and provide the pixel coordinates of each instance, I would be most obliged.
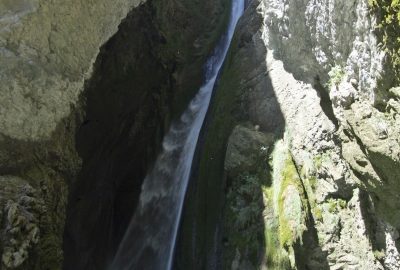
(150, 239)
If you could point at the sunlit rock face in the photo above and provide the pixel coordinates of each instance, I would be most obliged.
(312, 37)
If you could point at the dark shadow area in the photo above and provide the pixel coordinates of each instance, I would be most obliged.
(326, 103)
(384, 193)
(143, 77)
(128, 103)
(374, 233)
(309, 255)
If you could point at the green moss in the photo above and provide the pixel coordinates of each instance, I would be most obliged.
(320, 159)
(315, 209)
(289, 177)
(334, 205)
(275, 257)
(318, 162)
(388, 12)
(379, 254)
(317, 213)
(342, 203)
(336, 75)
(313, 182)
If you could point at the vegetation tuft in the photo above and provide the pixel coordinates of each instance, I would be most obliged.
(388, 12)
(336, 75)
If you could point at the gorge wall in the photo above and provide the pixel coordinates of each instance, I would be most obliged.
(300, 158)
(82, 122)
(45, 57)
(298, 161)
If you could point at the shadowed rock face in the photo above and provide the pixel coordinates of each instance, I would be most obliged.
(140, 82)
(127, 105)
(47, 49)
(143, 77)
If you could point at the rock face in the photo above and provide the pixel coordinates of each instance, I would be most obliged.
(312, 74)
(48, 49)
(243, 150)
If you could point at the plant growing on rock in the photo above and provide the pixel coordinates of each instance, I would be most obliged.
(336, 75)
(336, 204)
(379, 254)
(388, 13)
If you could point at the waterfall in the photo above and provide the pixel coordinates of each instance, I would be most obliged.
(150, 239)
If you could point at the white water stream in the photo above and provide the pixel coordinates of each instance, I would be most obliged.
(149, 242)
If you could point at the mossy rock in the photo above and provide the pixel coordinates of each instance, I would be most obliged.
(292, 205)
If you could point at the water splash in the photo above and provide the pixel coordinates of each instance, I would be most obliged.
(150, 239)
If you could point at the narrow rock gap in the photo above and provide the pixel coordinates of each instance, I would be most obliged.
(325, 101)
(365, 151)
(310, 250)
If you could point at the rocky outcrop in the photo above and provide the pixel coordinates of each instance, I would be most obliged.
(246, 167)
